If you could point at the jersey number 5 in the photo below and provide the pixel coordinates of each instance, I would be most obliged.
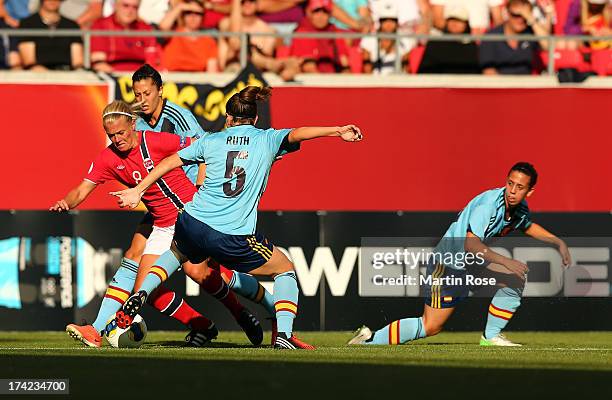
(230, 171)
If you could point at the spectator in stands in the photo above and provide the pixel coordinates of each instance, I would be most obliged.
(216, 10)
(83, 12)
(414, 16)
(479, 11)
(281, 11)
(149, 11)
(513, 56)
(293, 11)
(40, 53)
(11, 11)
(320, 55)
(116, 53)
(452, 57)
(380, 55)
(544, 12)
(9, 55)
(358, 11)
(589, 17)
(188, 53)
(243, 18)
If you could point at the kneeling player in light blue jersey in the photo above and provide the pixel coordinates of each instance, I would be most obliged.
(221, 220)
(493, 213)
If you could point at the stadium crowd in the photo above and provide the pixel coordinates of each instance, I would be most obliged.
(288, 57)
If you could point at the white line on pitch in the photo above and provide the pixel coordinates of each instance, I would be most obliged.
(44, 348)
(326, 348)
(578, 349)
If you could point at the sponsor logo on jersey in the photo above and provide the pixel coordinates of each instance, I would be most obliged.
(148, 163)
(120, 167)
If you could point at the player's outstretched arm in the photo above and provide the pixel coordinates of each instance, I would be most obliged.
(349, 133)
(74, 197)
(536, 231)
(131, 197)
(474, 245)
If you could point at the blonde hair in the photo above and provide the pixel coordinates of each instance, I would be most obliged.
(117, 109)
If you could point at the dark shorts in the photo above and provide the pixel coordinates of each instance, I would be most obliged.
(444, 295)
(198, 241)
(455, 285)
(145, 226)
(147, 219)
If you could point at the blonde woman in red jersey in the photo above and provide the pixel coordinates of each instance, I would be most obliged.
(129, 158)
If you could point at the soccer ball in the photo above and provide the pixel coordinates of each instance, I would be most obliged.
(132, 337)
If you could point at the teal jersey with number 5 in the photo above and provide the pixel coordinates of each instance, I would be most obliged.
(238, 162)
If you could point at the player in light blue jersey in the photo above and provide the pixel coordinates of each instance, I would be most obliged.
(163, 115)
(159, 115)
(221, 220)
(462, 255)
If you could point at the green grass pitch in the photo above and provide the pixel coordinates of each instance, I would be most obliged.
(563, 365)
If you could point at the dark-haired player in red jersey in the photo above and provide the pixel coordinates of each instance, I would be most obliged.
(128, 160)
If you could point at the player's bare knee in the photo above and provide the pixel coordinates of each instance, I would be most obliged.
(432, 329)
(284, 268)
(432, 325)
(132, 254)
(198, 273)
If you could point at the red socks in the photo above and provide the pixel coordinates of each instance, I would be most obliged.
(216, 287)
(173, 305)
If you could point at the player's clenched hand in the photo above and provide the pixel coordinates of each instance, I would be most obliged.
(128, 197)
(60, 206)
(350, 133)
(518, 268)
(565, 254)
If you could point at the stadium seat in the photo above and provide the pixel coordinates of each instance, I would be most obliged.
(286, 28)
(567, 59)
(416, 56)
(602, 62)
(355, 60)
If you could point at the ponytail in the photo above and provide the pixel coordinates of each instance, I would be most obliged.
(243, 105)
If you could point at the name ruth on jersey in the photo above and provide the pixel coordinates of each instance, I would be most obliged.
(237, 140)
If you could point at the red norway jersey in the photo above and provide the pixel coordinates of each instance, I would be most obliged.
(164, 198)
